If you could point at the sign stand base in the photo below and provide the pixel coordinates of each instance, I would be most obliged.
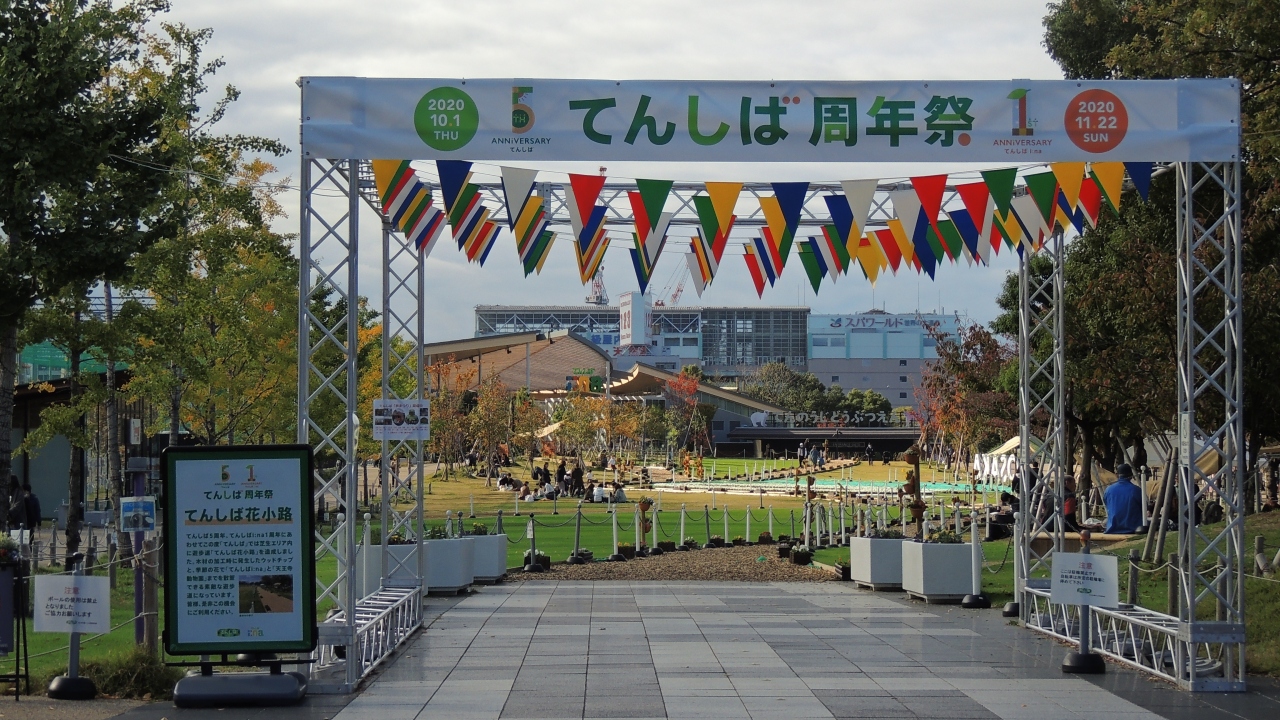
(239, 689)
(72, 688)
(1084, 664)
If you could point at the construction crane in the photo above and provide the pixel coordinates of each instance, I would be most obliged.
(681, 271)
(598, 295)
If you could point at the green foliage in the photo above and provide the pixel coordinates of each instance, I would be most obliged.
(479, 529)
(944, 537)
(1079, 35)
(779, 385)
(885, 534)
(137, 674)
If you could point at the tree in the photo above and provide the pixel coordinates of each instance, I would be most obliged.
(450, 398)
(491, 421)
(1159, 39)
(963, 398)
(82, 122)
(779, 385)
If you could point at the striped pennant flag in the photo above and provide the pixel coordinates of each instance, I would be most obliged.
(1109, 177)
(527, 218)
(981, 208)
(407, 203)
(756, 267)
(915, 228)
(813, 264)
(782, 215)
(587, 220)
(695, 273)
(826, 249)
(651, 226)
(715, 222)
(890, 246)
(472, 229)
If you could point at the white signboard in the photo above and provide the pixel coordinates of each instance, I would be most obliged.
(135, 431)
(1080, 579)
(989, 121)
(239, 572)
(401, 419)
(67, 603)
(138, 514)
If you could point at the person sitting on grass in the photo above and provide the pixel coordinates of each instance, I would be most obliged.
(1124, 503)
(590, 495)
(618, 495)
(599, 493)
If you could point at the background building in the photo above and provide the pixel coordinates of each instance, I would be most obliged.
(873, 350)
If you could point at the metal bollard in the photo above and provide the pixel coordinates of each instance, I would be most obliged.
(726, 523)
(793, 526)
(498, 524)
(616, 556)
(533, 565)
(473, 506)
(747, 534)
(770, 521)
(706, 517)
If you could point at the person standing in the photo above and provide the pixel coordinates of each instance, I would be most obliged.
(17, 513)
(32, 504)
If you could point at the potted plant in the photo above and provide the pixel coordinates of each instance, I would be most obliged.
(739, 541)
(490, 554)
(716, 541)
(801, 555)
(784, 538)
(667, 545)
(690, 544)
(765, 538)
(784, 550)
(585, 554)
(842, 566)
(627, 550)
(645, 503)
(939, 569)
(540, 558)
(876, 561)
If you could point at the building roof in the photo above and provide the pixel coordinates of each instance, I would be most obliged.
(552, 356)
(646, 380)
(615, 308)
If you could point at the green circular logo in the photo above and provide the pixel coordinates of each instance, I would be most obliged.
(446, 118)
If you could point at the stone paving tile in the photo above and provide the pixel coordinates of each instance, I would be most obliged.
(708, 651)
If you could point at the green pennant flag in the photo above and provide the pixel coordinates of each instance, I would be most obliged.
(811, 266)
(654, 194)
(842, 251)
(952, 238)
(1000, 185)
(936, 243)
(1044, 188)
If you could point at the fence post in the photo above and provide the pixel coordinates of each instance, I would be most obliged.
(533, 565)
(1132, 597)
(575, 558)
(746, 535)
(706, 517)
(639, 530)
(975, 599)
(1174, 585)
(150, 595)
(616, 556)
(682, 516)
(727, 538)
(498, 524)
(473, 506)
(771, 519)
(653, 546)
(793, 525)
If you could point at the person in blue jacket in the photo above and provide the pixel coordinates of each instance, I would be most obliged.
(1124, 503)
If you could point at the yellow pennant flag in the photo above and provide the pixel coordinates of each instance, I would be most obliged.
(1069, 176)
(1110, 179)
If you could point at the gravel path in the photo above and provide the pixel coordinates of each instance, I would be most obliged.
(742, 564)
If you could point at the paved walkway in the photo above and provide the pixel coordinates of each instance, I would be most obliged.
(699, 651)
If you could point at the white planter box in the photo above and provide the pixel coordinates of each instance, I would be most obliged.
(450, 564)
(490, 558)
(937, 573)
(402, 567)
(876, 563)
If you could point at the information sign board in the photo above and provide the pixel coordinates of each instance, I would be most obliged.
(240, 570)
(72, 603)
(401, 419)
(1085, 579)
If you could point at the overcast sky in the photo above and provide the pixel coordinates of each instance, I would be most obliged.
(268, 44)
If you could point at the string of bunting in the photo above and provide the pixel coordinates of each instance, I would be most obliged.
(921, 235)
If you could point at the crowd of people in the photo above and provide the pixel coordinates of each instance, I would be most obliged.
(566, 481)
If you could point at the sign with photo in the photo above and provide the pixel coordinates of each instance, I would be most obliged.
(138, 514)
(72, 603)
(401, 419)
(240, 568)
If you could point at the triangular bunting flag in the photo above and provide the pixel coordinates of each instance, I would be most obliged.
(843, 228)
(715, 221)
(407, 203)
(1090, 201)
(930, 189)
(1140, 174)
(527, 218)
(1069, 175)
(963, 223)
(651, 226)
(859, 195)
(472, 229)
(978, 201)
(587, 220)
(1110, 179)
(813, 266)
(890, 247)
(1000, 184)
(825, 250)
(1044, 189)
(782, 213)
(695, 273)
(871, 257)
(1029, 216)
(755, 267)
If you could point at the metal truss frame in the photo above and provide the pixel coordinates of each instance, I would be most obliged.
(1198, 653)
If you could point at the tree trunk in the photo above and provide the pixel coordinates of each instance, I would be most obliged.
(75, 480)
(114, 459)
(8, 379)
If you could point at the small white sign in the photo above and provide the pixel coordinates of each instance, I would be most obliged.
(138, 514)
(401, 419)
(1080, 579)
(135, 431)
(67, 603)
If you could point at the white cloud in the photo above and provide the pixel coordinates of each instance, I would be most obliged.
(268, 44)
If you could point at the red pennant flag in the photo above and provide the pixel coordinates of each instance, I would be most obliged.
(890, 247)
(929, 189)
(586, 190)
(1090, 201)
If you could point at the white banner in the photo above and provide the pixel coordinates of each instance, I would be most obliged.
(1080, 579)
(1004, 121)
(401, 419)
(67, 603)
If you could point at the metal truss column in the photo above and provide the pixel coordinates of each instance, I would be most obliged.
(403, 378)
(328, 324)
(1041, 418)
(1211, 653)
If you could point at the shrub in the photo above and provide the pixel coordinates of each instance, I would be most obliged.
(691, 543)
(479, 529)
(739, 539)
(622, 545)
(137, 674)
(436, 532)
(886, 534)
(944, 537)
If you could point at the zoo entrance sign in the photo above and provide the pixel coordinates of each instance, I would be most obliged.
(1005, 121)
